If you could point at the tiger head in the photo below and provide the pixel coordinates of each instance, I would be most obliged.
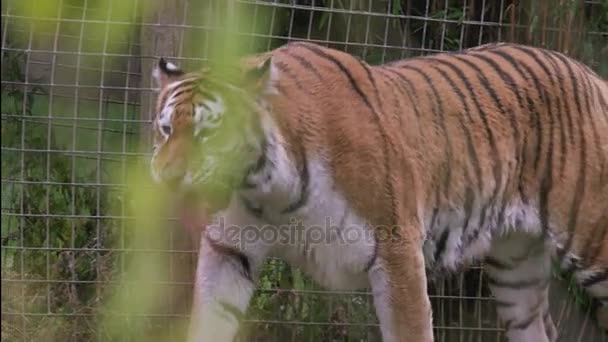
(203, 124)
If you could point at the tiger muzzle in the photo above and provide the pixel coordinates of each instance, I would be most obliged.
(170, 173)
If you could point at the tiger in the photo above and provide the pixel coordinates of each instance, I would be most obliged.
(385, 176)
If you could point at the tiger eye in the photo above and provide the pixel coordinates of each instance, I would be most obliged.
(166, 129)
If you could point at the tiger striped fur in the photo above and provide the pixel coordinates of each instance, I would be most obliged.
(496, 153)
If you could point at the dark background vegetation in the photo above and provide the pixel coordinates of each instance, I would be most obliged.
(75, 110)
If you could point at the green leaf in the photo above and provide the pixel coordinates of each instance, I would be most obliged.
(396, 7)
(324, 19)
(298, 280)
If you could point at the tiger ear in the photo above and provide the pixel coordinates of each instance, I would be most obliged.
(261, 78)
(166, 72)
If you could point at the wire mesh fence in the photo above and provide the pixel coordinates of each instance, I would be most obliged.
(77, 99)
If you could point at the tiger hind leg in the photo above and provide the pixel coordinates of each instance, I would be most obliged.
(519, 270)
(595, 283)
(588, 263)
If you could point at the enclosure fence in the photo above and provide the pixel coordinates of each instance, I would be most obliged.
(77, 103)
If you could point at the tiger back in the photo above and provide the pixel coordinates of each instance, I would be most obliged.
(497, 153)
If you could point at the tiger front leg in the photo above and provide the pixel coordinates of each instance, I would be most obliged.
(222, 292)
(399, 287)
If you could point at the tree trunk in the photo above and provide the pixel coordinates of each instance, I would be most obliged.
(157, 40)
(160, 37)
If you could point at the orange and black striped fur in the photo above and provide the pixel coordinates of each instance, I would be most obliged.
(407, 169)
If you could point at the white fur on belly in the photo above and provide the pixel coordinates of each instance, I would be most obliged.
(458, 252)
(337, 244)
